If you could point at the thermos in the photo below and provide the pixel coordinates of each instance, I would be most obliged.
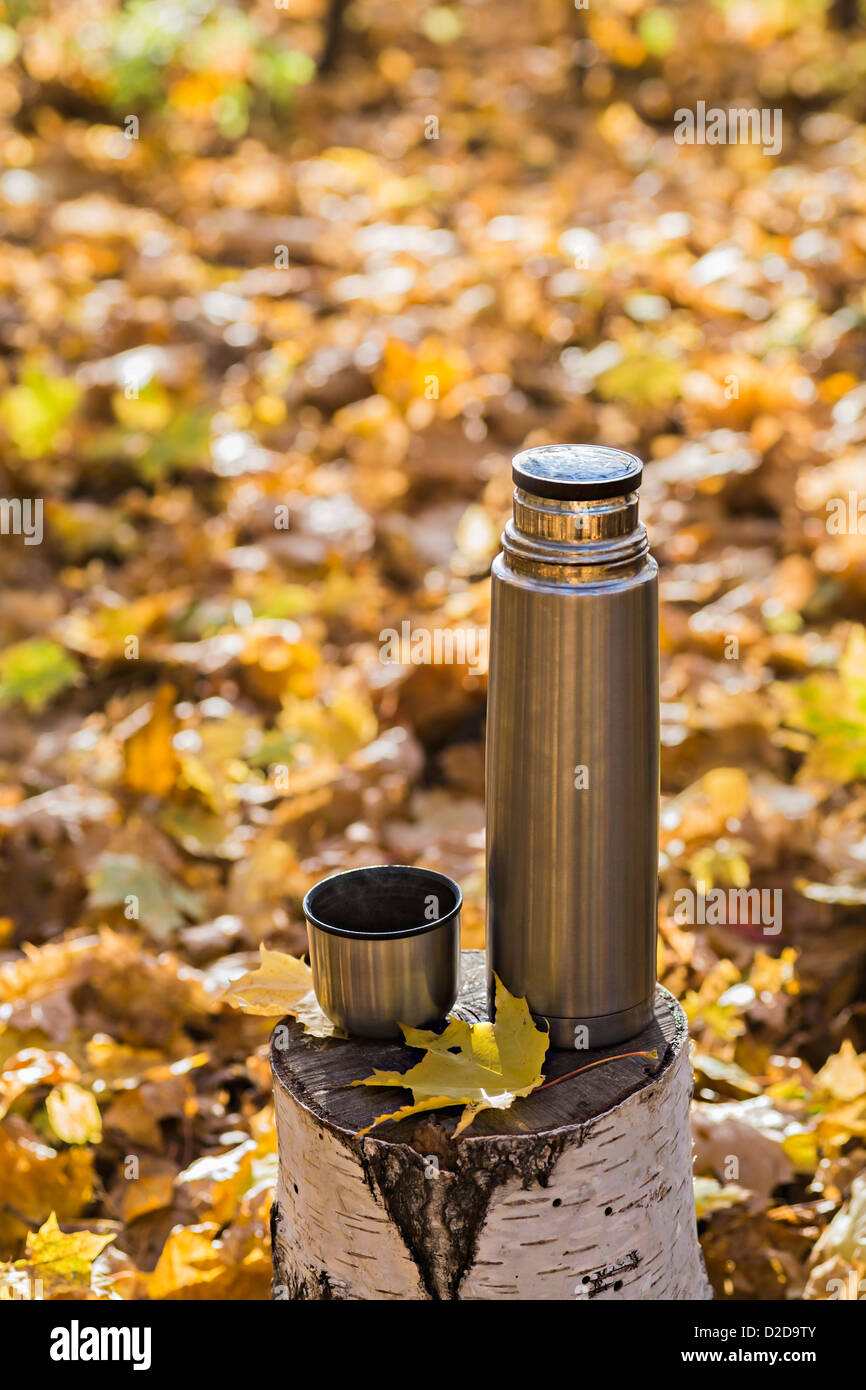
(573, 748)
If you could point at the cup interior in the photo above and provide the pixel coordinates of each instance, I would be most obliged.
(385, 900)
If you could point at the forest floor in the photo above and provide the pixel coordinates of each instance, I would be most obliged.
(268, 340)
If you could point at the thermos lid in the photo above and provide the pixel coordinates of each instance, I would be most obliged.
(576, 472)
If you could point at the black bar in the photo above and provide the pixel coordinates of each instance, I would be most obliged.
(262, 1340)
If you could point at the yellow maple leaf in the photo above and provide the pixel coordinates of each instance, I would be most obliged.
(63, 1263)
(282, 984)
(774, 974)
(191, 1258)
(843, 1075)
(197, 1263)
(481, 1066)
(37, 1180)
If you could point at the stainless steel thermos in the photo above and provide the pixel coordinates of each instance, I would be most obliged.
(573, 748)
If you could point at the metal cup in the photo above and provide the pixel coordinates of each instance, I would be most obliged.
(384, 947)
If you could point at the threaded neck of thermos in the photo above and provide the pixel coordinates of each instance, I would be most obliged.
(575, 509)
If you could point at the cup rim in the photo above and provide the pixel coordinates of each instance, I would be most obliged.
(412, 870)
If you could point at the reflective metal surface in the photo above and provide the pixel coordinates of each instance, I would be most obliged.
(384, 947)
(573, 759)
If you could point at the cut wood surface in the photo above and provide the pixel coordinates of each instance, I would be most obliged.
(582, 1190)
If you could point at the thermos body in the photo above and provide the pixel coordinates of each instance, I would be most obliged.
(573, 750)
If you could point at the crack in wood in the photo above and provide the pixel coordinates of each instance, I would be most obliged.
(595, 1169)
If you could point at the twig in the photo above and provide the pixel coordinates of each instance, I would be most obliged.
(617, 1058)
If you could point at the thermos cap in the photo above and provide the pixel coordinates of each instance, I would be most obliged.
(576, 472)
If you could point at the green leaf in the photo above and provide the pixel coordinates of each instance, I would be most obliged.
(34, 672)
(711, 1195)
(658, 29)
(830, 710)
(34, 412)
(441, 24)
(148, 894)
(641, 380)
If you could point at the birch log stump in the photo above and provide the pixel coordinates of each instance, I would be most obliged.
(580, 1191)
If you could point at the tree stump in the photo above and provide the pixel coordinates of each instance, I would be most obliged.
(580, 1191)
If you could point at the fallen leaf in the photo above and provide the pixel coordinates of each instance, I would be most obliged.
(188, 1260)
(151, 764)
(38, 1180)
(711, 1195)
(160, 903)
(481, 1066)
(843, 1075)
(282, 984)
(34, 412)
(74, 1114)
(34, 672)
(64, 1263)
(846, 1234)
(215, 1183)
(33, 1067)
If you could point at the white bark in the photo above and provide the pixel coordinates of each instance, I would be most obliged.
(595, 1209)
(625, 1228)
(333, 1233)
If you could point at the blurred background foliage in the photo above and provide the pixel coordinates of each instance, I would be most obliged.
(283, 287)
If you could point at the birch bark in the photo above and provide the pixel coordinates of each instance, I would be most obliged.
(582, 1191)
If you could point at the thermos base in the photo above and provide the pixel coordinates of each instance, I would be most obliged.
(587, 1034)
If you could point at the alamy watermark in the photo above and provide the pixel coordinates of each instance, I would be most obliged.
(22, 516)
(17, 1287)
(737, 126)
(846, 516)
(720, 907)
(438, 646)
(77, 1343)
